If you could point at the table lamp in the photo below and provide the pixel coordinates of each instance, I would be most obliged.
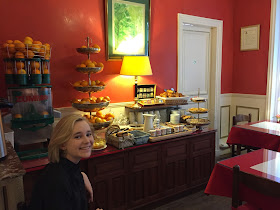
(136, 66)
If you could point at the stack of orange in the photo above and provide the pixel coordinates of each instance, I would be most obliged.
(84, 83)
(90, 64)
(25, 49)
(92, 100)
(100, 117)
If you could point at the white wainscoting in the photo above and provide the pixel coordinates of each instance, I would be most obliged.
(234, 103)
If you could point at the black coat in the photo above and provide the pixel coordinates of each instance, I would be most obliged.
(61, 187)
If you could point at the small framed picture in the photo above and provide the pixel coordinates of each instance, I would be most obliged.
(250, 38)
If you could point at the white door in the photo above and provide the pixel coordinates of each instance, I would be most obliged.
(195, 65)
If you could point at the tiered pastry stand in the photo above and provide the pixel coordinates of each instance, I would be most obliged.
(88, 107)
(198, 122)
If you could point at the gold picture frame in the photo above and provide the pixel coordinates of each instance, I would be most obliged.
(250, 38)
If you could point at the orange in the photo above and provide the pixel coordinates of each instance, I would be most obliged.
(97, 82)
(37, 42)
(36, 71)
(95, 63)
(27, 42)
(20, 46)
(96, 46)
(28, 38)
(103, 120)
(47, 56)
(83, 65)
(84, 46)
(77, 84)
(109, 115)
(104, 100)
(44, 113)
(92, 101)
(9, 65)
(5, 45)
(109, 118)
(75, 101)
(83, 102)
(86, 99)
(102, 84)
(84, 83)
(99, 99)
(90, 65)
(86, 62)
(93, 98)
(93, 83)
(35, 65)
(99, 64)
(19, 65)
(46, 71)
(30, 54)
(48, 47)
(99, 113)
(17, 41)
(19, 55)
(21, 71)
(11, 48)
(107, 97)
(9, 71)
(42, 52)
(17, 116)
(98, 120)
(9, 41)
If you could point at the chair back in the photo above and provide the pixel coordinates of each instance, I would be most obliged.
(259, 184)
(241, 118)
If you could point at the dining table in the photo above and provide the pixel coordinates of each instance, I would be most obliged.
(263, 162)
(261, 134)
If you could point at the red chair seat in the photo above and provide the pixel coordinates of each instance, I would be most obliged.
(245, 206)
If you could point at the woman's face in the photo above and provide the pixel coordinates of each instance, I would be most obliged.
(80, 144)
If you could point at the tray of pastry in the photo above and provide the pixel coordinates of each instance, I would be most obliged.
(198, 99)
(198, 122)
(86, 70)
(198, 110)
(88, 89)
(88, 50)
(88, 107)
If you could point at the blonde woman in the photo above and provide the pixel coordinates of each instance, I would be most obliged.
(62, 185)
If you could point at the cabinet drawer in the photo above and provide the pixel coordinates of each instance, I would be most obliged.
(176, 149)
(108, 165)
(144, 157)
(202, 143)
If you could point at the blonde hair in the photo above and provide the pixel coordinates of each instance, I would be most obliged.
(60, 135)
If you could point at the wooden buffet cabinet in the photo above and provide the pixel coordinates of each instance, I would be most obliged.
(137, 176)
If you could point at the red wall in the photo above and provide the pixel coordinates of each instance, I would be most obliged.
(250, 67)
(65, 24)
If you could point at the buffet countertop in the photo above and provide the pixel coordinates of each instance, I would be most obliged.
(38, 164)
(10, 166)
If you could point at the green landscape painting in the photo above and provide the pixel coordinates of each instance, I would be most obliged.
(128, 27)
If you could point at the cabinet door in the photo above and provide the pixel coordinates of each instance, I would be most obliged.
(202, 158)
(108, 176)
(144, 176)
(176, 166)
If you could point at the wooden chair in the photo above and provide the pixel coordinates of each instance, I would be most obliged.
(259, 184)
(236, 119)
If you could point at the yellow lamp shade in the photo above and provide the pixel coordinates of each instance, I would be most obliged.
(136, 66)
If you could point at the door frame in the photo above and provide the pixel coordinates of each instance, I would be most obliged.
(215, 61)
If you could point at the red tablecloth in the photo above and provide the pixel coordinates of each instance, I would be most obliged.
(239, 135)
(220, 183)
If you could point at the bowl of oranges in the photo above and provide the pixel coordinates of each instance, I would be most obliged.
(92, 104)
(84, 86)
(89, 66)
(89, 50)
(99, 120)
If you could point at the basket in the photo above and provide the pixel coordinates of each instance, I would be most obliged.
(175, 100)
(120, 142)
(140, 137)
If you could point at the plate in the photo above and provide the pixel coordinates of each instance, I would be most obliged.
(105, 146)
(91, 107)
(90, 89)
(88, 50)
(198, 111)
(87, 70)
(198, 122)
(198, 99)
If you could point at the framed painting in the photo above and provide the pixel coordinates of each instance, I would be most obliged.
(127, 28)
